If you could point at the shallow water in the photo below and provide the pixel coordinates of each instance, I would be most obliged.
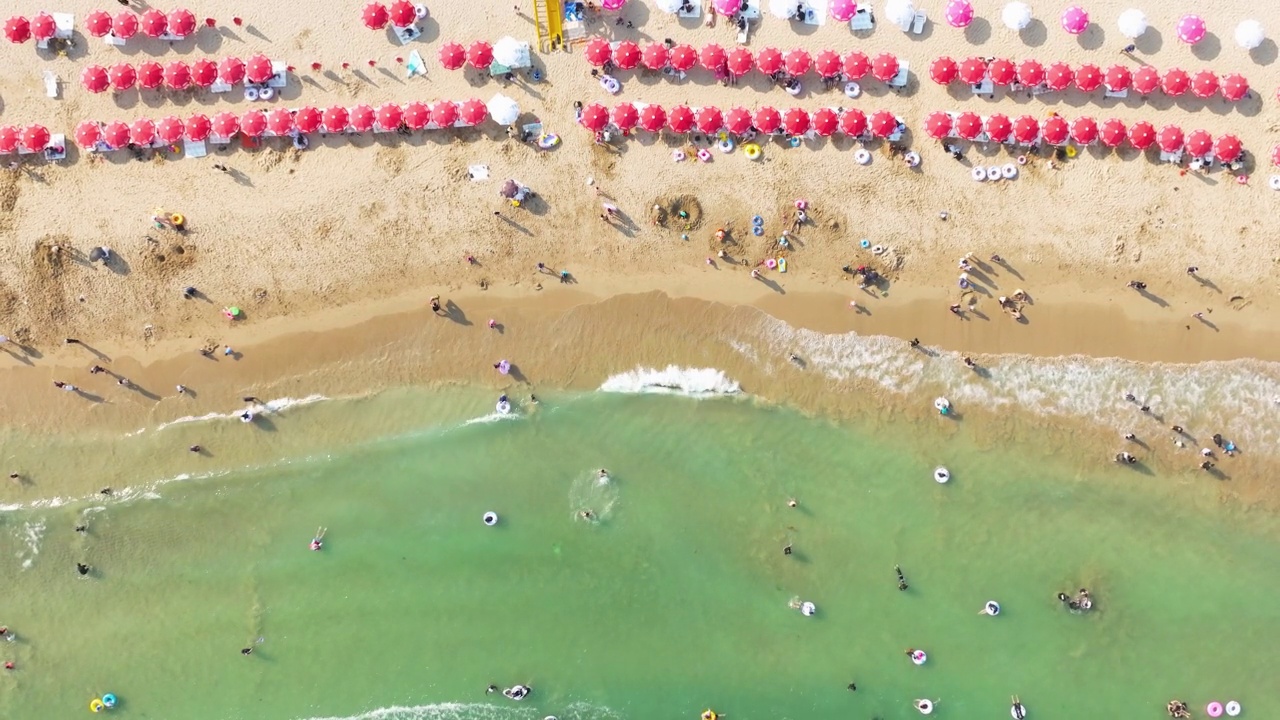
(673, 599)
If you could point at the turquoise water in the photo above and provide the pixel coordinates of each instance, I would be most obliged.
(672, 599)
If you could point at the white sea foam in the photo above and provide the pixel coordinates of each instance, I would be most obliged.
(31, 533)
(477, 711)
(674, 380)
(270, 407)
(492, 418)
(1228, 397)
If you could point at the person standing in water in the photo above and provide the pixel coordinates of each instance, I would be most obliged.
(902, 581)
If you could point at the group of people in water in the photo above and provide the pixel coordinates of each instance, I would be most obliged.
(1081, 602)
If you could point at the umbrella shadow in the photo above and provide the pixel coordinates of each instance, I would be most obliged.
(1150, 42)
(1266, 53)
(1035, 33)
(254, 31)
(978, 32)
(1093, 37)
(1209, 47)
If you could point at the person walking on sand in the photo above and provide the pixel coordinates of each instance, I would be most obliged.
(435, 305)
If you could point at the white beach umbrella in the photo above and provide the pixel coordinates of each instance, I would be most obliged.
(1249, 34)
(1132, 22)
(511, 52)
(669, 7)
(784, 9)
(900, 12)
(503, 109)
(1016, 16)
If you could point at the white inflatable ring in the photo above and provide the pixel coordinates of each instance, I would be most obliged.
(924, 706)
(993, 172)
(266, 93)
(978, 173)
(420, 11)
(1022, 159)
(941, 403)
(1233, 708)
(877, 249)
(912, 158)
(503, 407)
(992, 608)
(1274, 182)
(941, 475)
(807, 608)
(491, 518)
(251, 93)
(1010, 171)
(919, 657)
(1013, 712)
(861, 156)
(725, 145)
(852, 89)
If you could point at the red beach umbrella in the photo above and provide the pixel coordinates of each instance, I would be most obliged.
(389, 116)
(279, 121)
(94, 78)
(972, 70)
(150, 75)
(444, 113)
(943, 70)
(627, 55)
(1227, 148)
(740, 61)
(883, 123)
(594, 117)
(1117, 78)
(402, 13)
(253, 123)
(1142, 134)
(597, 52)
(170, 129)
(856, 65)
(825, 121)
(1030, 73)
(652, 118)
(452, 55)
(1088, 77)
(88, 133)
(827, 63)
(767, 119)
(968, 125)
(853, 122)
(416, 115)
(43, 26)
(1002, 71)
(709, 120)
(795, 121)
(115, 134)
(769, 60)
(1058, 76)
(177, 75)
(360, 118)
(1146, 79)
(204, 72)
(374, 16)
(654, 56)
(258, 69)
(182, 22)
(18, 30)
(480, 54)
(797, 62)
(737, 120)
(225, 124)
(124, 25)
(142, 132)
(473, 111)
(712, 57)
(198, 127)
(998, 127)
(1055, 130)
(153, 23)
(624, 116)
(1170, 138)
(1174, 82)
(231, 70)
(333, 120)
(1084, 130)
(9, 138)
(680, 119)
(1204, 84)
(1275, 151)
(1026, 129)
(1199, 143)
(122, 76)
(884, 67)
(308, 119)
(1234, 87)
(98, 23)
(937, 125)
(683, 57)
(1113, 132)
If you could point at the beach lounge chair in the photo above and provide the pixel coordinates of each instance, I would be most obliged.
(917, 24)
(745, 33)
(50, 80)
(900, 80)
(194, 148)
(862, 18)
(986, 87)
(57, 147)
(406, 34)
(752, 10)
(1124, 93)
(1173, 157)
(814, 12)
(692, 10)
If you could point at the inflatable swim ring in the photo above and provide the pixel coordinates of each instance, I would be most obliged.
(1242, 179)
(878, 250)
(548, 140)
(503, 407)
(251, 93)
(1071, 151)
(771, 263)
(1233, 708)
(246, 417)
(757, 231)
(794, 89)
(316, 544)
(1214, 709)
(1022, 159)
(912, 158)
(678, 155)
(725, 146)
(861, 156)
(782, 264)
(852, 89)
(942, 404)
(266, 93)
(704, 155)
(96, 705)
(1010, 171)
(709, 714)
(807, 608)
(978, 173)
(1274, 182)
(941, 475)
(491, 518)
(757, 221)
(918, 657)
(992, 608)
(504, 366)
(420, 11)
(610, 85)
(752, 151)
(109, 700)
(993, 172)
(865, 243)
(1014, 711)
(924, 706)
(178, 219)
(794, 142)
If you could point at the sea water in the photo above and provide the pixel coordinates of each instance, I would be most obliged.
(674, 596)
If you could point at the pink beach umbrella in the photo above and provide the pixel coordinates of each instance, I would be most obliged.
(943, 70)
(231, 70)
(198, 127)
(627, 55)
(1075, 20)
(825, 121)
(334, 119)
(1142, 134)
(680, 119)
(683, 58)
(279, 121)
(968, 125)
(480, 54)
(769, 60)
(767, 119)
(444, 113)
(9, 138)
(727, 7)
(827, 63)
(182, 22)
(1146, 79)
(597, 52)
(1058, 77)
(1088, 77)
(360, 118)
(452, 55)
(883, 123)
(150, 75)
(98, 23)
(18, 30)
(88, 133)
(258, 69)
(853, 122)
(709, 120)
(170, 129)
(153, 23)
(308, 119)
(884, 67)
(1191, 29)
(94, 78)
(1227, 148)
(1170, 138)
(402, 13)
(624, 116)
(937, 124)
(998, 127)
(122, 76)
(740, 61)
(115, 135)
(795, 121)
(843, 10)
(737, 120)
(204, 72)
(1234, 87)
(177, 75)
(416, 115)
(594, 117)
(374, 16)
(1113, 132)
(43, 26)
(1084, 130)
(142, 132)
(1204, 84)
(797, 62)
(1199, 143)
(612, 5)
(124, 25)
(1275, 151)
(654, 56)
(1055, 130)
(1002, 71)
(652, 118)
(959, 13)
(856, 65)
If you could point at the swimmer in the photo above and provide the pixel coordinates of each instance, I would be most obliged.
(915, 342)
(82, 528)
(586, 515)
(533, 399)
(1145, 408)
(195, 448)
(602, 473)
(851, 687)
(1206, 466)
(1130, 436)
(491, 689)
(787, 550)
(246, 651)
(1130, 397)
(1062, 597)
(82, 568)
(317, 542)
(968, 361)
(792, 503)
(1017, 710)
(902, 580)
